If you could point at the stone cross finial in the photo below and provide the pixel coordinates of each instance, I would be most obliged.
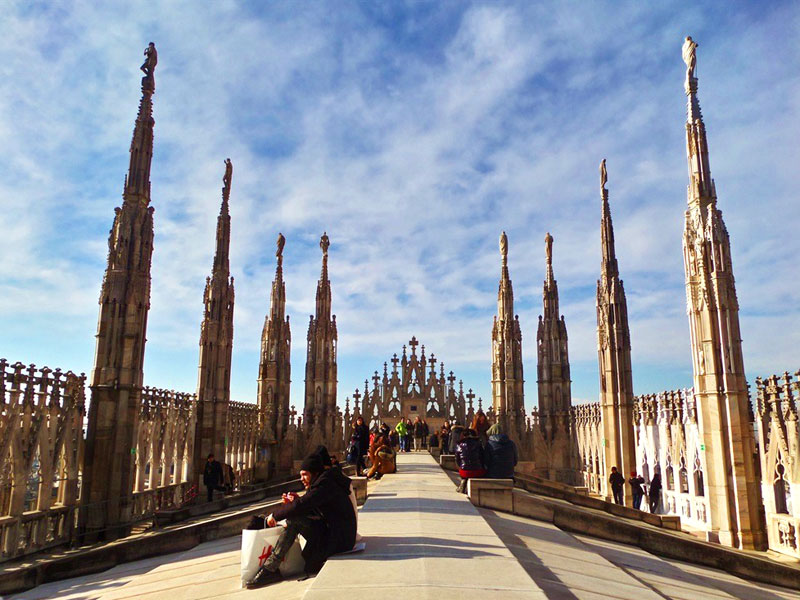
(470, 396)
(376, 378)
(413, 343)
(451, 379)
(395, 360)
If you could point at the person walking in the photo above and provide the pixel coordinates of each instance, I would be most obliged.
(501, 454)
(654, 493)
(400, 428)
(361, 439)
(617, 482)
(470, 458)
(212, 476)
(636, 489)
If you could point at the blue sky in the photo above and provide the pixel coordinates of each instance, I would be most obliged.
(413, 133)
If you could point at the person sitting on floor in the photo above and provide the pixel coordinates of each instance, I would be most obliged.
(382, 457)
(470, 457)
(501, 454)
(323, 516)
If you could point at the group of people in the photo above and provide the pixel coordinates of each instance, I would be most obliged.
(638, 489)
(408, 433)
(481, 450)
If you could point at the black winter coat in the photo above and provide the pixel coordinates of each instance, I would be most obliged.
(617, 480)
(361, 435)
(470, 455)
(212, 473)
(327, 498)
(501, 457)
(455, 437)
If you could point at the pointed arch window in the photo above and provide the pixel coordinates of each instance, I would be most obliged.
(33, 482)
(683, 475)
(669, 475)
(699, 484)
(783, 494)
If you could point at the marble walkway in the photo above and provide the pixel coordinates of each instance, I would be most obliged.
(426, 541)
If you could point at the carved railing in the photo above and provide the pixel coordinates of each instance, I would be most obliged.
(668, 441)
(778, 403)
(41, 448)
(164, 450)
(587, 428)
(241, 441)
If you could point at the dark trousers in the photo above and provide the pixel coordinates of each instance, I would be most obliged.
(654, 502)
(617, 495)
(637, 500)
(210, 489)
(313, 531)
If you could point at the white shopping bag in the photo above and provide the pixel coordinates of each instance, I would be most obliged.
(257, 545)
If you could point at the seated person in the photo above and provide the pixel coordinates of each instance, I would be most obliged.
(324, 516)
(382, 457)
(470, 458)
(501, 454)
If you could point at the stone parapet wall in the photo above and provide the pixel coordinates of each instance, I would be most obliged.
(777, 401)
(668, 441)
(586, 425)
(240, 443)
(41, 449)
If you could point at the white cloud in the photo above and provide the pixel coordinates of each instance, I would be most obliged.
(413, 149)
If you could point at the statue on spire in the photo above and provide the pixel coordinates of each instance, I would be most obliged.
(548, 247)
(324, 243)
(281, 244)
(603, 175)
(504, 247)
(690, 56)
(226, 179)
(149, 67)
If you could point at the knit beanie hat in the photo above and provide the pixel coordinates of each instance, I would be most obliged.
(322, 453)
(312, 464)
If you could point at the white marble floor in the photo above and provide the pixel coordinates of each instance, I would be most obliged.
(426, 541)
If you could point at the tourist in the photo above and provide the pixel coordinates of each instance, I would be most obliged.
(212, 476)
(636, 489)
(382, 456)
(361, 439)
(409, 435)
(400, 428)
(425, 433)
(419, 434)
(654, 493)
(323, 516)
(394, 439)
(617, 482)
(470, 457)
(501, 454)
(480, 423)
(455, 437)
(444, 438)
(433, 440)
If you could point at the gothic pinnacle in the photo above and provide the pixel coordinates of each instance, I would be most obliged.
(137, 182)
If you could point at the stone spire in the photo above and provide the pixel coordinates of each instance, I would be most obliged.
(554, 384)
(508, 399)
(320, 409)
(720, 385)
(274, 372)
(216, 343)
(614, 353)
(117, 376)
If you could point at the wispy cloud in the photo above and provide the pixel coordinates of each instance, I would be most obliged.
(413, 134)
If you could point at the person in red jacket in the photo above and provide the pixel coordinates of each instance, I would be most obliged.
(470, 457)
